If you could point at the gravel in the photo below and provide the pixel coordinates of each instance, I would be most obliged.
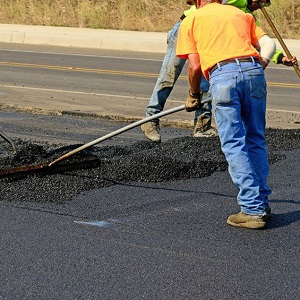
(175, 159)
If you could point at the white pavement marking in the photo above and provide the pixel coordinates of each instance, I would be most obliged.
(71, 92)
(96, 223)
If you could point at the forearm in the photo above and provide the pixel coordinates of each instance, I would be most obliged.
(266, 47)
(194, 73)
(194, 77)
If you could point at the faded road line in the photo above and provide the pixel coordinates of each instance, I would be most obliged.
(115, 72)
(77, 69)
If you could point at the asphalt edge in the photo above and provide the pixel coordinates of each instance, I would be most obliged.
(115, 118)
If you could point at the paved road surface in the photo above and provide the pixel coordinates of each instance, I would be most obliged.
(114, 84)
(143, 240)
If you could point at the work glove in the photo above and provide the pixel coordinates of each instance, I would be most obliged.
(193, 101)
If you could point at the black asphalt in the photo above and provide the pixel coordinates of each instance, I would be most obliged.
(143, 239)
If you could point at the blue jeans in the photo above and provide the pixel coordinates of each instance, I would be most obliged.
(170, 70)
(239, 105)
(203, 116)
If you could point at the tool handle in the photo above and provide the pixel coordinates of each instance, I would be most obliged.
(117, 132)
(7, 139)
(283, 45)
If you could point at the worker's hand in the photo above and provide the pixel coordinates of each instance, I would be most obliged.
(289, 62)
(254, 4)
(193, 101)
(264, 62)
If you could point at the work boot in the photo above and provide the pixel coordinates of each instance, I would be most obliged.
(151, 131)
(202, 124)
(268, 213)
(211, 131)
(247, 221)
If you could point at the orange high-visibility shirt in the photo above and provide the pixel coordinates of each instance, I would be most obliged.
(217, 32)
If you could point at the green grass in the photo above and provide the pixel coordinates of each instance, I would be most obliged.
(136, 15)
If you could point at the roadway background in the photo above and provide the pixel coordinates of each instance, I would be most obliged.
(143, 240)
(102, 39)
(110, 44)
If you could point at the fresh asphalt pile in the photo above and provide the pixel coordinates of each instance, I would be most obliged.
(175, 159)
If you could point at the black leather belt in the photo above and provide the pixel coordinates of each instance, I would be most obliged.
(230, 61)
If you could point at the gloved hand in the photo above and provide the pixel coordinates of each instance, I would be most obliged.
(289, 62)
(193, 101)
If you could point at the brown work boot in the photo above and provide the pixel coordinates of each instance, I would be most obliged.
(151, 131)
(247, 221)
(202, 127)
(205, 133)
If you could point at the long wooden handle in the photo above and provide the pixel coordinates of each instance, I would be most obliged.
(283, 45)
(117, 132)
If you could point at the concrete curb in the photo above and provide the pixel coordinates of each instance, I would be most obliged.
(104, 39)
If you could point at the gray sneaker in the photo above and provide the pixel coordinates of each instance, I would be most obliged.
(151, 131)
(207, 133)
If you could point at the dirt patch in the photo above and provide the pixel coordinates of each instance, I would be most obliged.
(283, 120)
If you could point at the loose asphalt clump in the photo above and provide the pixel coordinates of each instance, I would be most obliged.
(176, 159)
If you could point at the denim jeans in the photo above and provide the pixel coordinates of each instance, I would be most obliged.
(239, 105)
(203, 116)
(170, 70)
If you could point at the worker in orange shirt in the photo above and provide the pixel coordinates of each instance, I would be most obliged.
(221, 41)
(172, 67)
